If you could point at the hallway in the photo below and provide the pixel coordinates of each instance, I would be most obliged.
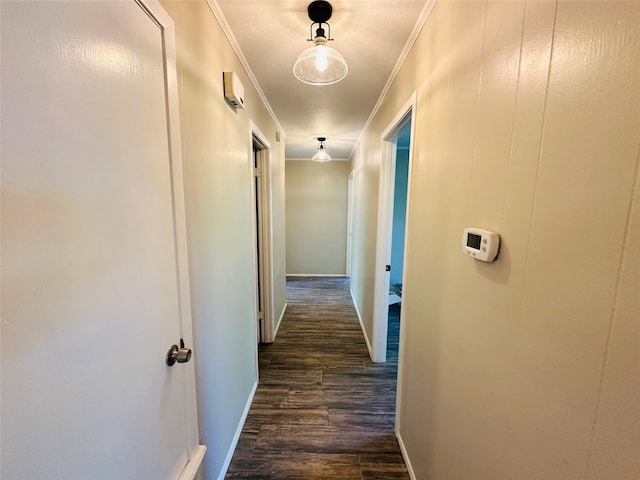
(322, 410)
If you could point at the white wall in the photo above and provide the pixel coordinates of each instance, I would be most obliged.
(316, 206)
(221, 232)
(528, 116)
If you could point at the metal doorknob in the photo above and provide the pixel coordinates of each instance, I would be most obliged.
(180, 355)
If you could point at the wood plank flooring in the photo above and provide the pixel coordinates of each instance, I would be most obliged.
(322, 409)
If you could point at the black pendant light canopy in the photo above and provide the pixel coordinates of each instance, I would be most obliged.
(319, 11)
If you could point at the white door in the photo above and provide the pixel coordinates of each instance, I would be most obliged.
(93, 275)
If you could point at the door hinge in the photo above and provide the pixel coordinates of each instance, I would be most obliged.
(260, 315)
(387, 268)
(257, 172)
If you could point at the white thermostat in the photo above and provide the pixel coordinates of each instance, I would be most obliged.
(481, 244)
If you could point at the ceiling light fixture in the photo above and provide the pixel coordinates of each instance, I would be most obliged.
(320, 64)
(321, 155)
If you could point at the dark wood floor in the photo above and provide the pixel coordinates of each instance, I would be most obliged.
(322, 410)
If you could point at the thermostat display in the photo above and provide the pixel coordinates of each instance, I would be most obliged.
(474, 241)
(481, 244)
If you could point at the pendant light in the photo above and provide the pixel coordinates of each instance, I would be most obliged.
(320, 64)
(321, 155)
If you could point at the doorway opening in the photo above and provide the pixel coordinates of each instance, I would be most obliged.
(263, 251)
(395, 174)
(398, 228)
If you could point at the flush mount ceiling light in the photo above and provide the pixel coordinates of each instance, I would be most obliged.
(321, 155)
(320, 64)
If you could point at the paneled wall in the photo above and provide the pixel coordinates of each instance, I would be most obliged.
(316, 206)
(528, 124)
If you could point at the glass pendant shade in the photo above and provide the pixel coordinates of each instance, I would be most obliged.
(321, 155)
(320, 65)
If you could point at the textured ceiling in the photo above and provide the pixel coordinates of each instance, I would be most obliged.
(370, 35)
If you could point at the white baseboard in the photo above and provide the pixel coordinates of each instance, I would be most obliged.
(284, 309)
(192, 469)
(407, 462)
(236, 437)
(338, 275)
(364, 332)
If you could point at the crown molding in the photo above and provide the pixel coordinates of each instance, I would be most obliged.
(217, 12)
(422, 19)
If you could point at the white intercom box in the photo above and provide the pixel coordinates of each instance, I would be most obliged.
(233, 89)
(481, 244)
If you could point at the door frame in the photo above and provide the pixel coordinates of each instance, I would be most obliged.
(386, 189)
(261, 197)
(350, 190)
(195, 452)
